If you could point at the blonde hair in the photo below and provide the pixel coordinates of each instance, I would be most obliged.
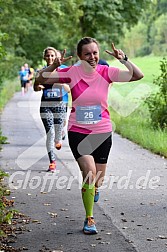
(47, 49)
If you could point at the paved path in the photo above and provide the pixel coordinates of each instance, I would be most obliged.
(131, 214)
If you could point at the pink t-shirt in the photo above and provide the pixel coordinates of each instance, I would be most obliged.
(89, 113)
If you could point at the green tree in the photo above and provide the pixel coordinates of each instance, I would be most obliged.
(157, 103)
(3, 37)
(158, 35)
(105, 19)
(36, 24)
(161, 7)
(149, 17)
(33, 25)
(135, 42)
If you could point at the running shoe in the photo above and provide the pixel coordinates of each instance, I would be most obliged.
(89, 226)
(97, 194)
(58, 146)
(52, 166)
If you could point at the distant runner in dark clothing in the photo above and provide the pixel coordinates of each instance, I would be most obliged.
(103, 62)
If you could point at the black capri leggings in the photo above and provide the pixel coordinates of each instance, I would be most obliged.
(96, 145)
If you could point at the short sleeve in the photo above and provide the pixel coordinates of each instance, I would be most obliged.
(113, 73)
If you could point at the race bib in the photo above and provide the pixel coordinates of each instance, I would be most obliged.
(53, 93)
(88, 114)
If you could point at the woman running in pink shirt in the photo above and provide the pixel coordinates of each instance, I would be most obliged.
(89, 127)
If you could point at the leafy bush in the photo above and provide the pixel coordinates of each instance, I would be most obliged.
(3, 139)
(4, 213)
(157, 103)
(7, 89)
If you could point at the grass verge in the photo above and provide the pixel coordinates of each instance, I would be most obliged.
(137, 129)
(130, 114)
(7, 90)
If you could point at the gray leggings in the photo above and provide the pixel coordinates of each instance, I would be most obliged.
(53, 120)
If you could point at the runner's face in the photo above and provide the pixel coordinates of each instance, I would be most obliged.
(50, 56)
(90, 53)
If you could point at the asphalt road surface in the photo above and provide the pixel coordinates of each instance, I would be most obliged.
(131, 214)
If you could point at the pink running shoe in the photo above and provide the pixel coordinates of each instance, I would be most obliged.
(58, 146)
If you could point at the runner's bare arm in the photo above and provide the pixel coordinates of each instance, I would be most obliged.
(67, 88)
(133, 73)
(38, 86)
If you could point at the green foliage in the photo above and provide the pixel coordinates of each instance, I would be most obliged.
(3, 139)
(10, 67)
(62, 23)
(2, 175)
(3, 192)
(135, 42)
(7, 89)
(3, 36)
(161, 7)
(137, 128)
(6, 212)
(137, 125)
(146, 38)
(158, 34)
(38, 25)
(149, 35)
(106, 17)
(9, 216)
(157, 102)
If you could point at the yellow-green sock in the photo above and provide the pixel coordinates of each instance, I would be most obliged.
(88, 193)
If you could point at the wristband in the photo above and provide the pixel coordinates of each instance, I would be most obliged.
(124, 60)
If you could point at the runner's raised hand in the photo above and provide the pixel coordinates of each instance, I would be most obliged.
(60, 60)
(117, 53)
